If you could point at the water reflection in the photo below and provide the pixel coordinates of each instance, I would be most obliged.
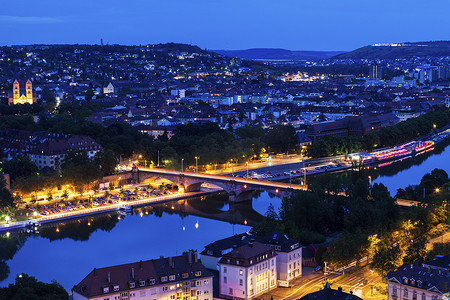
(114, 238)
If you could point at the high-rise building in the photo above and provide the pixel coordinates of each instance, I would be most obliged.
(375, 71)
(17, 97)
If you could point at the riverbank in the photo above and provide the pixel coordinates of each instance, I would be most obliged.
(104, 209)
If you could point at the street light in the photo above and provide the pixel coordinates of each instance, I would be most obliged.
(35, 214)
(196, 164)
(290, 179)
(7, 219)
(182, 165)
(247, 169)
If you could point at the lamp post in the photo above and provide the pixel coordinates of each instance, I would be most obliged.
(158, 158)
(7, 219)
(247, 169)
(182, 165)
(370, 185)
(196, 164)
(290, 179)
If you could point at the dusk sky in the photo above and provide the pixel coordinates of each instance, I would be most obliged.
(232, 24)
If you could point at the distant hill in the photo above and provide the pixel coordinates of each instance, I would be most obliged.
(401, 50)
(278, 54)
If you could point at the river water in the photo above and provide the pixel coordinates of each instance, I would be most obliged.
(68, 251)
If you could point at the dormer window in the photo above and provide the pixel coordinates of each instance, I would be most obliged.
(237, 262)
(106, 289)
(132, 284)
(405, 280)
(419, 283)
(412, 282)
(151, 281)
(185, 275)
(164, 279)
(172, 277)
(198, 273)
(116, 287)
(141, 282)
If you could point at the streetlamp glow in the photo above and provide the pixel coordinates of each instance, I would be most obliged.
(182, 165)
(7, 219)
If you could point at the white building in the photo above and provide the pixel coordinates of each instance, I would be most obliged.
(109, 89)
(415, 282)
(289, 256)
(247, 271)
(179, 277)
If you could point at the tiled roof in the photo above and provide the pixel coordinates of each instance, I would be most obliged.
(421, 277)
(248, 254)
(143, 274)
(228, 243)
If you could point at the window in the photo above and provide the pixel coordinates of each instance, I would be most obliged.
(173, 297)
(423, 296)
(224, 269)
(116, 288)
(273, 262)
(205, 282)
(241, 272)
(405, 293)
(151, 281)
(164, 279)
(199, 292)
(206, 292)
(414, 295)
(198, 273)
(230, 291)
(225, 279)
(106, 289)
(241, 282)
(141, 282)
(185, 275)
(237, 262)
(165, 288)
(394, 291)
(132, 284)
(172, 277)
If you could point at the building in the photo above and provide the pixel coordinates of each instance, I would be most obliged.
(329, 294)
(19, 96)
(429, 281)
(179, 277)
(350, 126)
(289, 256)
(375, 71)
(247, 271)
(213, 252)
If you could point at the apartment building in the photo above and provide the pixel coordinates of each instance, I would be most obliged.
(178, 277)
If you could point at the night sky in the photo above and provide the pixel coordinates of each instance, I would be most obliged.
(220, 24)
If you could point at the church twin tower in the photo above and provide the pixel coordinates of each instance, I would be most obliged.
(16, 97)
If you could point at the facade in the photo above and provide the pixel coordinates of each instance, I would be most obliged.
(289, 256)
(51, 153)
(18, 97)
(179, 277)
(109, 89)
(429, 281)
(375, 71)
(247, 271)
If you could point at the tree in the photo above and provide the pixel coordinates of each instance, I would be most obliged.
(20, 166)
(281, 139)
(28, 288)
(416, 251)
(387, 259)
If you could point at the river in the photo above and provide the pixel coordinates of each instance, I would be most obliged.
(68, 251)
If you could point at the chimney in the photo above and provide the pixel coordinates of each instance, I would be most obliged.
(140, 264)
(190, 258)
(95, 272)
(109, 277)
(132, 273)
(171, 261)
(195, 257)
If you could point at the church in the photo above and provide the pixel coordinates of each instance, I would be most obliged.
(18, 97)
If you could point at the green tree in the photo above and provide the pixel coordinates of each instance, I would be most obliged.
(28, 288)
(416, 251)
(20, 167)
(387, 259)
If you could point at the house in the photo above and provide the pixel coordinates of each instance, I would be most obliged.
(289, 256)
(178, 277)
(429, 281)
(329, 294)
(247, 271)
(214, 251)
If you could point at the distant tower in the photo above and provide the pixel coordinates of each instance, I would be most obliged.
(16, 89)
(101, 42)
(375, 71)
(29, 89)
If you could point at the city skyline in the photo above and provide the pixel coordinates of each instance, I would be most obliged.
(232, 25)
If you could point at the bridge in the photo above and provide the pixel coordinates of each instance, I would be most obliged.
(239, 189)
